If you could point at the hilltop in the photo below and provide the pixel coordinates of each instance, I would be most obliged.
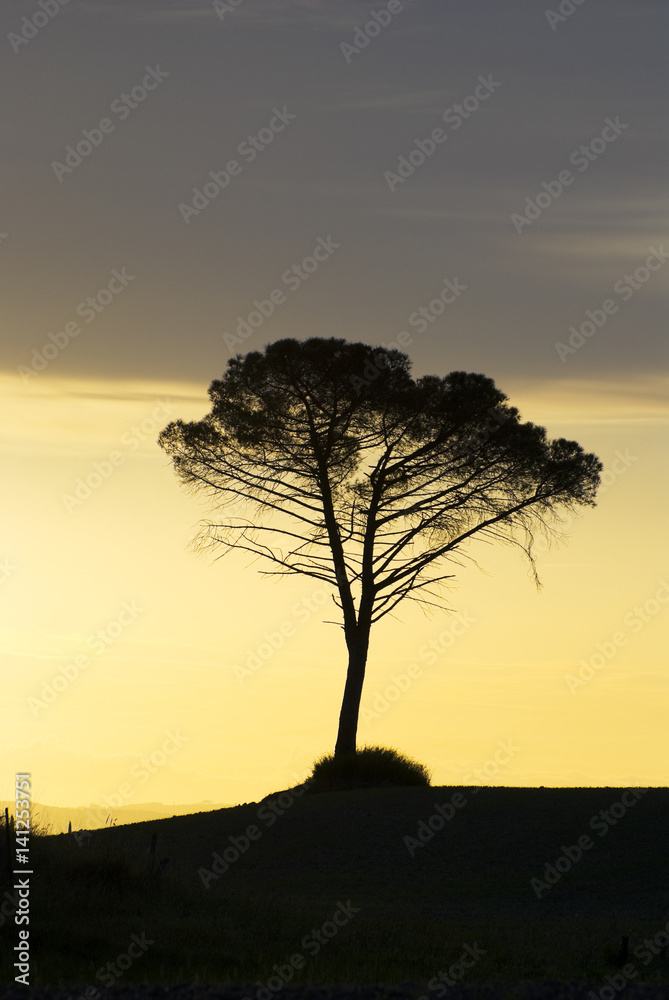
(382, 885)
(489, 847)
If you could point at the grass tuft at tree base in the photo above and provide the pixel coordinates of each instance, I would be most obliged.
(368, 767)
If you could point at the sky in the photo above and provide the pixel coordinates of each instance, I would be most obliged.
(486, 182)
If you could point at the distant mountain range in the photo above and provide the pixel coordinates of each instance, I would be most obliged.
(95, 816)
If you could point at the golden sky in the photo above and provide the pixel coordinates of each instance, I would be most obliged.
(97, 566)
(123, 652)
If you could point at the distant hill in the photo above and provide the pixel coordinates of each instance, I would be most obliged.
(95, 817)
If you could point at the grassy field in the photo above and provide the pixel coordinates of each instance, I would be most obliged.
(386, 885)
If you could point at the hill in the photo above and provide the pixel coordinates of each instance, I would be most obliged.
(96, 816)
(491, 847)
(395, 883)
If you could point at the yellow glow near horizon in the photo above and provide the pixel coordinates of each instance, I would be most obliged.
(177, 629)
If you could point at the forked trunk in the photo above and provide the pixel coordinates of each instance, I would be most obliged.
(358, 646)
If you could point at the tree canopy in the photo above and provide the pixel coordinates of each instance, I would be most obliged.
(326, 458)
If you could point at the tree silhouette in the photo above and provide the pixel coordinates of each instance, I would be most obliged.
(360, 477)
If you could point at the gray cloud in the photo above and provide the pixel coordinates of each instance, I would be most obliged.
(325, 175)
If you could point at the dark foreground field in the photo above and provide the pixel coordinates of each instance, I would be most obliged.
(339, 888)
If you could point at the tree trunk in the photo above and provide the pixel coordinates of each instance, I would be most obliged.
(358, 646)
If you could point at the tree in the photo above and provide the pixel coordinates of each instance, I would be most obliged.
(360, 477)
